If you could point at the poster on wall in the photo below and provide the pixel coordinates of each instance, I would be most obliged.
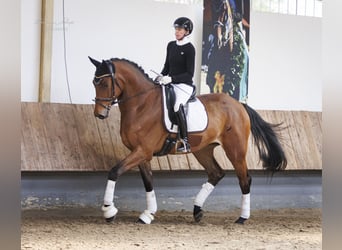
(225, 47)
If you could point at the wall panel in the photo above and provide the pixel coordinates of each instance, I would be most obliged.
(67, 137)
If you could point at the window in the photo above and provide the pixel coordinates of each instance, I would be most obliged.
(290, 7)
(181, 1)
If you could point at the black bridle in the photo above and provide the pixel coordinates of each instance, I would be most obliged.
(97, 80)
(114, 99)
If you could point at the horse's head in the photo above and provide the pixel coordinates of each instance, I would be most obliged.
(105, 87)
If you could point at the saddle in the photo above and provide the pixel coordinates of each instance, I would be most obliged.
(170, 99)
(196, 115)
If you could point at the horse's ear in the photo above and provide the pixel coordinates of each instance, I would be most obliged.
(93, 61)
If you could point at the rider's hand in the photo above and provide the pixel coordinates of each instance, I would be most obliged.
(165, 80)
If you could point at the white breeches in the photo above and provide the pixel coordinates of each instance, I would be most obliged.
(183, 93)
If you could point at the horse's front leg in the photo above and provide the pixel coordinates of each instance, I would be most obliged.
(146, 173)
(133, 159)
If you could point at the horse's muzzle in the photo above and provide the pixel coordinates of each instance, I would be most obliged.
(101, 115)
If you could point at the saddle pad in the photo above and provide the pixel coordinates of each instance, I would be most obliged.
(196, 116)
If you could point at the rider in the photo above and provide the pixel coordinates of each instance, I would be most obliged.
(179, 70)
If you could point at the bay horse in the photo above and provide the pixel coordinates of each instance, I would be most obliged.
(123, 82)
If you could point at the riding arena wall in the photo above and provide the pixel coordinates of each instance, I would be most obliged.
(67, 137)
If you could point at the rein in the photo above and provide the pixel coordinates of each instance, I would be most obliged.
(136, 95)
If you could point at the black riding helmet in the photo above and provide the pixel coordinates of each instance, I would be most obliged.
(185, 23)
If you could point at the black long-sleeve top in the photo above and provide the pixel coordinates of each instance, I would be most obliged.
(180, 62)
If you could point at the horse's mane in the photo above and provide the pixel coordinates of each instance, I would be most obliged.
(135, 65)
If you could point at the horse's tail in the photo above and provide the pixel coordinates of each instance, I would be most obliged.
(265, 137)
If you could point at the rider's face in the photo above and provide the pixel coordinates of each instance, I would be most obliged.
(180, 33)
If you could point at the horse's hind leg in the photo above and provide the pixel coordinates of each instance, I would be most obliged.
(237, 155)
(245, 181)
(215, 173)
(148, 215)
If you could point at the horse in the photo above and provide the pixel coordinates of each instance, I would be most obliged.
(139, 98)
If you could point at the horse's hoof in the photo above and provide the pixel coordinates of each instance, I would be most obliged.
(146, 217)
(240, 221)
(198, 216)
(140, 221)
(198, 213)
(109, 212)
(111, 219)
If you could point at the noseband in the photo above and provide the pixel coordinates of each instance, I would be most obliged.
(97, 79)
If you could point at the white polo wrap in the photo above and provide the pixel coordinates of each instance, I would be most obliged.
(109, 193)
(207, 188)
(245, 206)
(109, 211)
(146, 217)
(151, 202)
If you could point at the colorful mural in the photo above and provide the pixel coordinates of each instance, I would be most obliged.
(225, 48)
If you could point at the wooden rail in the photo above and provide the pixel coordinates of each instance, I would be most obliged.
(67, 137)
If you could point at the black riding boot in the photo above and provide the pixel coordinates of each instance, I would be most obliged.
(183, 130)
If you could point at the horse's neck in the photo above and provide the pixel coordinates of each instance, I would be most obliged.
(139, 94)
(136, 89)
(138, 97)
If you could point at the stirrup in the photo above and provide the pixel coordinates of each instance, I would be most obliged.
(184, 148)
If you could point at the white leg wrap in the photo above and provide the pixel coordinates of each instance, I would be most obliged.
(207, 188)
(151, 202)
(111, 210)
(109, 193)
(245, 206)
(147, 215)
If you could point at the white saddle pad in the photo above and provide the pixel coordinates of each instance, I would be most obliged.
(196, 116)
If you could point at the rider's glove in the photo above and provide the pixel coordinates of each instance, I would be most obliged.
(165, 80)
